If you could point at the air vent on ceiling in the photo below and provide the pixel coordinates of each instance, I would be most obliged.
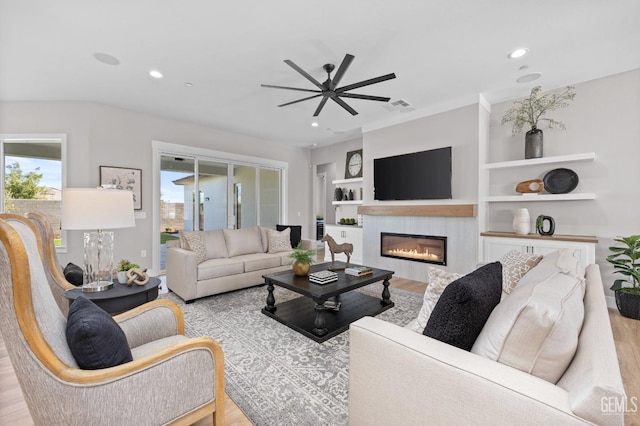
(399, 105)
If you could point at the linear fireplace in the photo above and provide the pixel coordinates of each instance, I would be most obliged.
(418, 248)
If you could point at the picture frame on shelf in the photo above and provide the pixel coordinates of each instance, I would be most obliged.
(123, 178)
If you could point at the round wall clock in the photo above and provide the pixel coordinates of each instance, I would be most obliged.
(353, 167)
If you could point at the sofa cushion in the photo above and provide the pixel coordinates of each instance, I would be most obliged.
(536, 328)
(194, 242)
(216, 268)
(279, 241)
(214, 244)
(438, 280)
(243, 241)
(264, 237)
(94, 338)
(296, 233)
(258, 261)
(514, 265)
(465, 305)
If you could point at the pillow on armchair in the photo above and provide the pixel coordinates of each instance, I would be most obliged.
(296, 233)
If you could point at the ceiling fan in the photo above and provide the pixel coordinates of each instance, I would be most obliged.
(329, 89)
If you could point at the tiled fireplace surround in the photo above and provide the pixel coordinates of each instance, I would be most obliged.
(461, 231)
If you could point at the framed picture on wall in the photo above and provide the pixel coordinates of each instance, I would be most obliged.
(123, 178)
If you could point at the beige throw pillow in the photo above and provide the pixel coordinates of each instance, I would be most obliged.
(536, 328)
(438, 280)
(194, 241)
(243, 241)
(514, 265)
(279, 241)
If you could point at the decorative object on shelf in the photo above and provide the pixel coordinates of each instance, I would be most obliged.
(531, 111)
(540, 224)
(530, 186)
(123, 178)
(521, 222)
(337, 194)
(347, 221)
(346, 248)
(302, 260)
(137, 276)
(350, 195)
(626, 262)
(560, 181)
(353, 166)
(123, 266)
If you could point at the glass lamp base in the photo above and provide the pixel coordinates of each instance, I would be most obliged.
(98, 261)
(96, 286)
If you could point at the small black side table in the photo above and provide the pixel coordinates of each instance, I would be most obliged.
(120, 297)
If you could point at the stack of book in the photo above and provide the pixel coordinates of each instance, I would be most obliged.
(323, 277)
(358, 271)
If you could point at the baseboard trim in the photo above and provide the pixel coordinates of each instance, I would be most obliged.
(611, 302)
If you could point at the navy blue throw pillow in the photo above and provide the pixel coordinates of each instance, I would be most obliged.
(95, 339)
(465, 306)
(73, 274)
(296, 233)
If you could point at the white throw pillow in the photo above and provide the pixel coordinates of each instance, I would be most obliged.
(536, 328)
(438, 280)
(279, 241)
(514, 265)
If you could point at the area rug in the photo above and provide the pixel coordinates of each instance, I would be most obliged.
(274, 374)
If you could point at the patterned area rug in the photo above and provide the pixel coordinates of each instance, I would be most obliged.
(274, 374)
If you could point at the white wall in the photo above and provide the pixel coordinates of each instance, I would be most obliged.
(100, 135)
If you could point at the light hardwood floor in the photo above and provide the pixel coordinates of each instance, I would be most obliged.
(13, 409)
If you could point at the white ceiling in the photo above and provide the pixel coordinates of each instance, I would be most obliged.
(444, 53)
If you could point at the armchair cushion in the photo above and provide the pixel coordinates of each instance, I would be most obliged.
(465, 305)
(95, 339)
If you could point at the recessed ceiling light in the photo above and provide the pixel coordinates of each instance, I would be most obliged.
(529, 77)
(156, 74)
(105, 58)
(518, 53)
(188, 84)
(314, 124)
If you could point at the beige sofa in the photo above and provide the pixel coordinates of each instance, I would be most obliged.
(224, 260)
(398, 376)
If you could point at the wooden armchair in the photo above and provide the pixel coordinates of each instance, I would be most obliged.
(171, 380)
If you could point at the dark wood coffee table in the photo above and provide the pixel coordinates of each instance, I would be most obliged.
(307, 314)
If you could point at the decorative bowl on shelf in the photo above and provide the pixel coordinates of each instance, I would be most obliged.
(560, 181)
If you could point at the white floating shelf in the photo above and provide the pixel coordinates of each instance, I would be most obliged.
(588, 156)
(354, 202)
(354, 180)
(542, 197)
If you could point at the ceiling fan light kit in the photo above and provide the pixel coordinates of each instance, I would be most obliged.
(330, 90)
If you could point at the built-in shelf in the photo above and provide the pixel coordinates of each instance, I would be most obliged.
(541, 197)
(555, 237)
(345, 181)
(588, 156)
(342, 203)
(434, 210)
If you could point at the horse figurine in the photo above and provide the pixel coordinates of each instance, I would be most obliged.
(346, 248)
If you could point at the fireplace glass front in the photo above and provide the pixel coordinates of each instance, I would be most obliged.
(418, 248)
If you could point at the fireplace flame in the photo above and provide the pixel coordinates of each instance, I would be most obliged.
(414, 254)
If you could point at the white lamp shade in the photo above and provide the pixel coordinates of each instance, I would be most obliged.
(97, 208)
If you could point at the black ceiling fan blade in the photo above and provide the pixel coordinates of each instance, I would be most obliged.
(320, 106)
(344, 105)
(341, 70)
(304, 73)
(289, 88)
(300, 100)
(366, 82)
(367, 97)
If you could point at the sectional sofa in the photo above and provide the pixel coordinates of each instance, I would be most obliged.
(204, 263)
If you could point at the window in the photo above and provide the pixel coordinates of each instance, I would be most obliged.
(33, 176)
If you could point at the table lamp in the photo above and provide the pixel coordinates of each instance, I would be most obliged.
(99, 209)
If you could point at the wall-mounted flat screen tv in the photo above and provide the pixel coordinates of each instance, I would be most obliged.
(424, 175)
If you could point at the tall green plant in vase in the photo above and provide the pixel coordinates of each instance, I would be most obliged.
(531, 113)
(626, 262)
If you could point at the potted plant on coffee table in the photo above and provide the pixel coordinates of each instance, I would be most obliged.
(302, 260)
(626, 262)
(531, 113)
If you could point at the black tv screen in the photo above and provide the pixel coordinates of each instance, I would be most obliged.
(424, 175)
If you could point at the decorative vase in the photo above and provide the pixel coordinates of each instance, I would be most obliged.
(337, 194)
(300, 268)
(122, 277)
(533, 143)
(521, 222)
